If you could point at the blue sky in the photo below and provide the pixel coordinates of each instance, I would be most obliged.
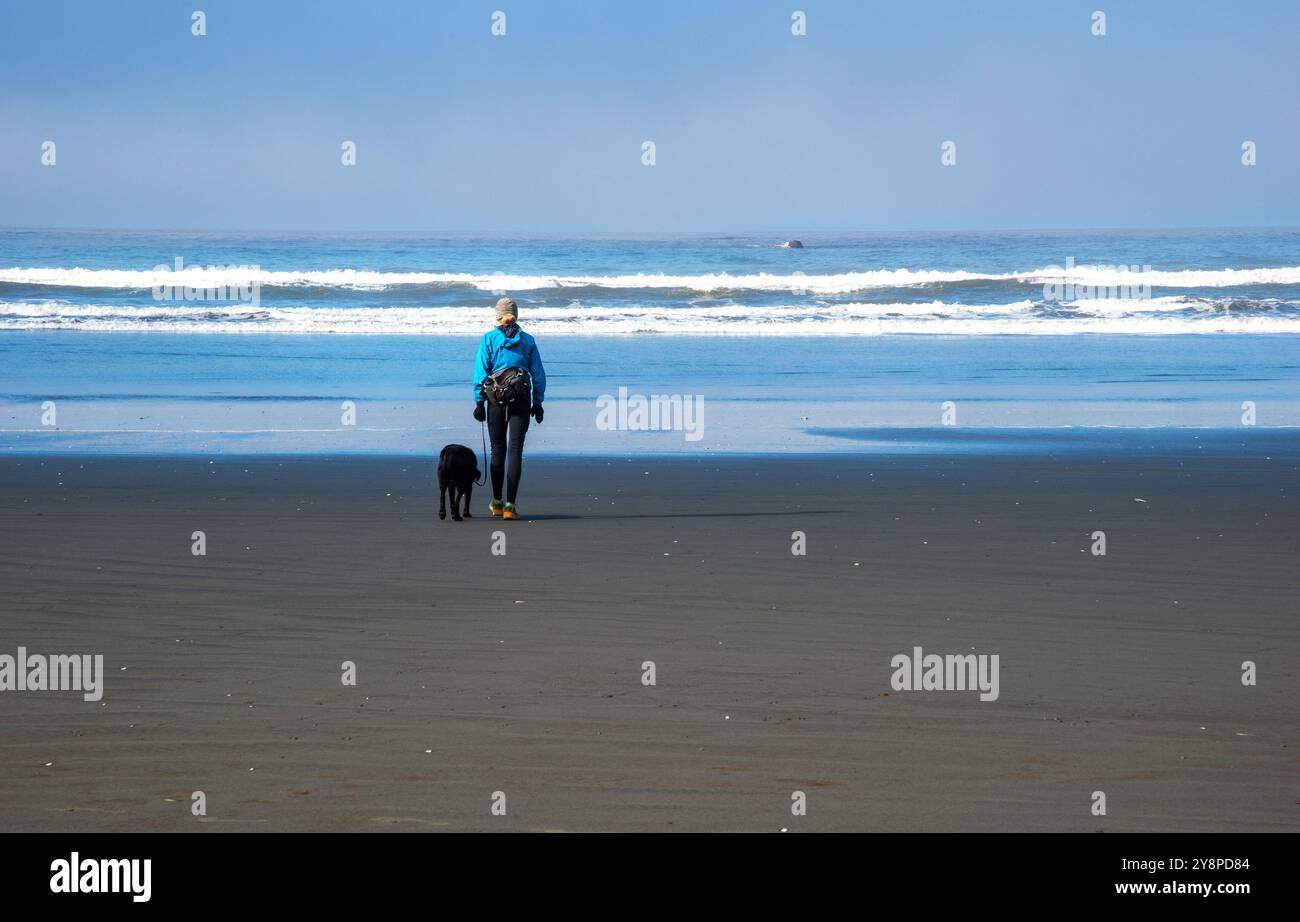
(755, 129)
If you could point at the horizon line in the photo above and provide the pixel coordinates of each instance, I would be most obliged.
(580, 234)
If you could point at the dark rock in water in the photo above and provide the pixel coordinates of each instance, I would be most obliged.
(793, 244)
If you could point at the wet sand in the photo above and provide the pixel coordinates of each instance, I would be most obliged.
(523, 674)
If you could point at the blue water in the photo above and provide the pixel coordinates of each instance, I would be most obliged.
(790, 349)
(967, 284)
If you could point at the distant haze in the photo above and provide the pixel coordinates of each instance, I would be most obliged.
(754, 128)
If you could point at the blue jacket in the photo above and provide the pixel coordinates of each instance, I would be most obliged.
(496, 351)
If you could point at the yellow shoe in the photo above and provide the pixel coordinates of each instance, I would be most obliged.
(509, 512)
(496, 506)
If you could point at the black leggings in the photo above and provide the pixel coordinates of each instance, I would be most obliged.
(498, 429)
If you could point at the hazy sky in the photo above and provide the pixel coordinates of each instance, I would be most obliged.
(755, 129)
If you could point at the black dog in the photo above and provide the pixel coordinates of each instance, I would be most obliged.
(457, 471)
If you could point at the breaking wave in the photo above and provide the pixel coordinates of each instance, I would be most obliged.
(1155, 316)
(825, 284)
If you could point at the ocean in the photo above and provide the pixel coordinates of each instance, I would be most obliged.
(174, 342)
(967, 284)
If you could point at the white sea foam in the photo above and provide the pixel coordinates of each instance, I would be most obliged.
(1158, 316)
(827, 284)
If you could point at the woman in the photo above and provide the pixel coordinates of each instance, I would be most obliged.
(506, 404)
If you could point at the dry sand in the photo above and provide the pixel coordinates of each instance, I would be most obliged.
(522, 674)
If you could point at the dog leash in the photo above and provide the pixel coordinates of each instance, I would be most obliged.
(483, 472)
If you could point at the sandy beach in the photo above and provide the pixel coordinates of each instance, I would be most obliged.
(522, 673)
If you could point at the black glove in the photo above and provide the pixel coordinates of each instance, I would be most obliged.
(537, 412)
(480, 411)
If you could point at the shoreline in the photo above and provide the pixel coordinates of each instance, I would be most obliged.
(758, 441)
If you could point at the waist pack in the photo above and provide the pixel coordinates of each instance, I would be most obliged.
(507, 386)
